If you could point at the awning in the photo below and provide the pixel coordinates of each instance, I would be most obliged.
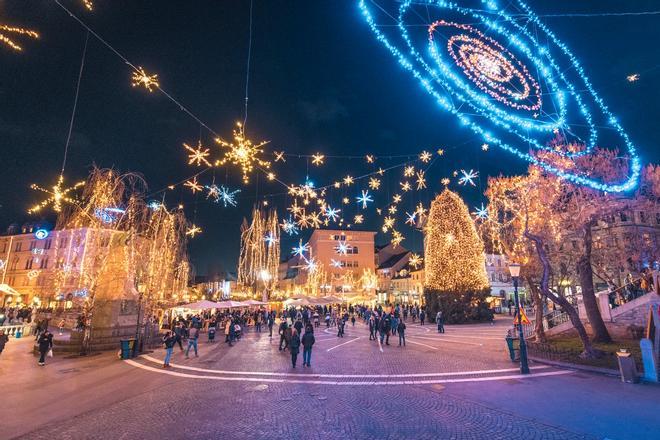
(8, 290)
(199, 305)
(230, 304)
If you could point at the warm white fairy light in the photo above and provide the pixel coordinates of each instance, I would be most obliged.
(409, 171)
(193, 230)
(348, 180)
(198, 155)
(358, 219)
(193, 185)
(397, 238)
(633, 78)
(279, 156)
(420, 210)
(57, 195)
(415, 260)
(396, 198)
(425, 156)
(405, 186)
(374, 183)
(370, 158)
(332, 213)
(318, 159)
(4, 29)
(243, 152)
(289, 226)
(420, 180)
(142, 78)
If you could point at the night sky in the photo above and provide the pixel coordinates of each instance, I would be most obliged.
(319, 82)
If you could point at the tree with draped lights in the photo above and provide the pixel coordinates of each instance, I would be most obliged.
(456, 280)
(259, 256)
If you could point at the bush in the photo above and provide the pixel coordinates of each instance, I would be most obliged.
(459, 307)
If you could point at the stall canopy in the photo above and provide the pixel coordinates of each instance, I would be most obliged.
(200, 305)
(8, 290)
(333, 299)
(230, 304)
(254, 302)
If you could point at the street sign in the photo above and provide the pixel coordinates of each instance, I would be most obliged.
(523, 317)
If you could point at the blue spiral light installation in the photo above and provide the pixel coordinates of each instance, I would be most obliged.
(505, 76)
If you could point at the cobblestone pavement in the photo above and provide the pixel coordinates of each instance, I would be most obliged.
(452, 386)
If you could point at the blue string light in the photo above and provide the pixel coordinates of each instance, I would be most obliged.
(477, 97)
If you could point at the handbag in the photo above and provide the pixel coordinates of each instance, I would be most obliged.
(50, 353)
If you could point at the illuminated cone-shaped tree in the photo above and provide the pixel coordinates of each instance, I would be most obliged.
(456, 281)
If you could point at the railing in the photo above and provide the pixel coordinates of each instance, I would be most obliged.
(554, 319)
(11, 330)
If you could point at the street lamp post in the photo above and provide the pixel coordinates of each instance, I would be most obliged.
(515, 274)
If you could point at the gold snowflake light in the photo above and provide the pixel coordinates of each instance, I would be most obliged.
(358, 219)
(409, 171)
(421, 180)
(193, 230)
(415, 260)
(348, 180)
(425, 156)
(198, 155)
(243, 153)
(4, 30)
(88, 4)
(318, 159)
(142, 78)
(374, 183)
(279, 156)
(397, 238)
(57, 195)
(193, 185)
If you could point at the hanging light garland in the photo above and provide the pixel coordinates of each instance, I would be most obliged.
(5, 30)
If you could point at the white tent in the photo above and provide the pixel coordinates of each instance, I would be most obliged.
(7, 289)
(254, 302)
(230, 304)
(199, 305)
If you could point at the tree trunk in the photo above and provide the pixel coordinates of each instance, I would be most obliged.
(539, 333)
(589, 351)
(600, 333)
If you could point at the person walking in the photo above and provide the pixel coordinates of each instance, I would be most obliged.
(282, 331)
(3, 340)
(395, 324)
(257, 323)
(340, 327)
(45, 343)
(169, 340)
(193, 335)
(372, 328)
(308, 341)
(60, 326)
(440, 320)
(401, 329)
(298, 326)
(422, 317)
(294, 347)
(228, 330)
(271, 322)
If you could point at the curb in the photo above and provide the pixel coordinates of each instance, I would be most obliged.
(567, 365)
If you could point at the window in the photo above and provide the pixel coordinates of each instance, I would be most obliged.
(492, 276)
(28, 263)
(12, 281)
(352, 250)
(44, 264)
(48, 243)
(623, 216)
(62, 242)
(33, 244)
(13, 264)
(337, 237)
(18, 247)
(642, 216)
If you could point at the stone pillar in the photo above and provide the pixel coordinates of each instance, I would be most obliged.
(603, 299)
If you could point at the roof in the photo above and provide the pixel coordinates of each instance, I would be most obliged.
(393, 260)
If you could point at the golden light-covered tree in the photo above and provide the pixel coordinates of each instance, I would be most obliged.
(456, 282)
(454, 252)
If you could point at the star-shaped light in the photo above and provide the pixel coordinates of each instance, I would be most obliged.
(420, 210)
(392, 209)
(213, 192)
(301, 249)
(346, 200)
(364, 199)
(415, 260)
(633, 78)
(198, 155)
(485, 147)
(335, 263)
(289, 226)
(193, 230)
(411, 219)
(88, 4)
(358, 219)
(337, 184)
(279, 156)
(397, 238)
(4, 29)
(227, 196)
(303, 221)
(193, 185)
(311, 265)
(380, 171)
(348, 180)
(270, 176)
(243, 153)
(409, 171)
(317, 159)
(294, 208)
(374, 183)
(388, 222)
(480, 212)
(57, 195)
(405, 186)
(142, 78)
(370, 158)
(332, 213)
(342, 248)
(379, 211)
(271, 239)
(441, 152)
(468, 177)
(421, 180)
(425, 156)
(396, 198)
(315, 220)
(445, 181)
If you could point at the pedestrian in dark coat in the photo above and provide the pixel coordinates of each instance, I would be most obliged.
(307, 341)
(294, 347)
(45, 343)
(401, 329)
(282, 331)
(3, 340)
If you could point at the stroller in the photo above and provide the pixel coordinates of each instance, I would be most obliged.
(237, 331)
(211, 334)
